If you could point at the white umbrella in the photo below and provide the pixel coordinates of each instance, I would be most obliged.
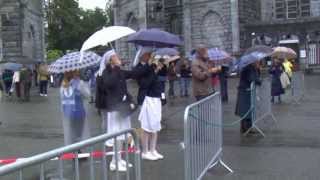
(106, 35)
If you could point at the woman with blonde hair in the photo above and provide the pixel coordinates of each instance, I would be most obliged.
(72, 92)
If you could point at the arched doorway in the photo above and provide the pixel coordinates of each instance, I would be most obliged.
(213, 30)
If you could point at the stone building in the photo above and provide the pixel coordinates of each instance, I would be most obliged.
(232, 25)
(21, 31)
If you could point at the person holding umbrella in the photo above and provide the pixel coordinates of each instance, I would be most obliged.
(75, 124)
(72, 93)
(249, 74)
(7, 80)
(276, 87)
(149, 96)
(115, 114)
(201, 74)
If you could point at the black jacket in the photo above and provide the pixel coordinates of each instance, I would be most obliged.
(148, 82)
(113, 88)
(248, 75)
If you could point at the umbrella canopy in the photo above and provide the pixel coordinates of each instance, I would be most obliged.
(260, 48)
(12, 66)
(71, 62)
(219, 56)
(167, 51)
(154, 38)
(249, 59)
(284, 53)
(106, 35)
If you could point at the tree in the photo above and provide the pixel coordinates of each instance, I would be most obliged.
(69, 25)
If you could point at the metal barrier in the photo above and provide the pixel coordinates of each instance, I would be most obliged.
(261, 104)
(41, 159)
(297, 86)
(203, 137)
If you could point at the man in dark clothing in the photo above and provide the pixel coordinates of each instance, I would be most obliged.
(26, 82)
(223, 76)
(7, 80)
(248, 75)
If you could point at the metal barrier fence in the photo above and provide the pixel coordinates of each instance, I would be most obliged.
(203, 137)
(41, 159)
(297, 86)
(261, 104)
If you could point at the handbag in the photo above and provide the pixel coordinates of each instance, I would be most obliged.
(285, 81)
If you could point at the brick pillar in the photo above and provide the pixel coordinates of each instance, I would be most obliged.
(235, 26)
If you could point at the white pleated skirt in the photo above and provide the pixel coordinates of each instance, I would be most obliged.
(116, 123)
(150, 114)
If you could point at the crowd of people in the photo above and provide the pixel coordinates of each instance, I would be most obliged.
(21, 80)
(109, 91)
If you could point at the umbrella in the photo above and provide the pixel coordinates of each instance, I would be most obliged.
(167, 51)
(284, 53)
(106, 35)
(12, 66)
(219, 56)
(260, 48)
(154, 38)
(71, 62)
(249, 59)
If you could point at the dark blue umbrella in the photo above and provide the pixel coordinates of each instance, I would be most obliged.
(248, 59)
(167, 51)
(154, 38)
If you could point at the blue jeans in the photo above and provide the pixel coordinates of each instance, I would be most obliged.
(184, 86)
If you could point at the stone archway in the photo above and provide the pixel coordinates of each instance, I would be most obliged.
(213, 30)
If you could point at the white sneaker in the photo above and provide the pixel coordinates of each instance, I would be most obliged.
(158, 155)
(121, 167)
(41, 95)
(149, 156)
(46, 95)
(124, 163)
(109, 143)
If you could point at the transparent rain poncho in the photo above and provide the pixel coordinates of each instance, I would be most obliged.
(75, 124)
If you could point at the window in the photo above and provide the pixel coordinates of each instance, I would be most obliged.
(291, 9)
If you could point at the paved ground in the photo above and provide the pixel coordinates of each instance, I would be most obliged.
(289, 152)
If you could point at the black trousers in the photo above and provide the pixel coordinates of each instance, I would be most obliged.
(43, 87)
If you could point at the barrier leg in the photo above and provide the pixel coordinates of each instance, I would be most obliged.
(225, 166)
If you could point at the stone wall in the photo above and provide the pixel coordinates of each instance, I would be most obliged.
(22, 31)
(249, 11)
(10, 31)
(210, 23)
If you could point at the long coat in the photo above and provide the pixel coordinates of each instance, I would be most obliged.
(201, 82)
(276, 86)
(247, 76)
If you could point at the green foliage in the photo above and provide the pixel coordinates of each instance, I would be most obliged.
(69, 26)
(53, 55)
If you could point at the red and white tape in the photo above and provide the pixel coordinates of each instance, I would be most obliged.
(71, 156)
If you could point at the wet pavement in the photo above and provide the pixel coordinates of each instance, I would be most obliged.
(290, 150)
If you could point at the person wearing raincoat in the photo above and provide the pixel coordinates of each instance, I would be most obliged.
(288, 66)
(248, 75)
(72, 93)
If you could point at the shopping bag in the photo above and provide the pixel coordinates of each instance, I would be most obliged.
(285, 81)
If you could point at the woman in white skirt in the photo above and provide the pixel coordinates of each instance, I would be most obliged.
(150, 93)
(115, 93)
